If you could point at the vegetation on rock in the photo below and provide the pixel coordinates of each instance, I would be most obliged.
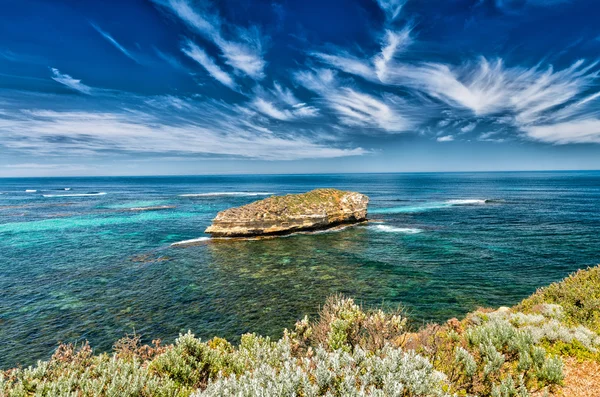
(314, 210)
(350, 351)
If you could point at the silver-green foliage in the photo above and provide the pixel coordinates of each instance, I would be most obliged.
(388, 372)
(103, 375)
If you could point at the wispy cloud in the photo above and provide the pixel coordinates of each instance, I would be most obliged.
(486, 88)
(394, 42)
(491, 136)
(200, 56)
(244, 52)
(445, 138)
(373, 69)
(202, 128)
(285, 95)
(70, 82)
(468, 128)
(391, 8)
(115, 43)
(355, 108)
(274, 111)
(575, 131)
(170, 59)
(280, 103)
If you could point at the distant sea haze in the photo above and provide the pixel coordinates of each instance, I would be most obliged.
(96, 258)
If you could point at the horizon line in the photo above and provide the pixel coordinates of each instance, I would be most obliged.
(302, 174)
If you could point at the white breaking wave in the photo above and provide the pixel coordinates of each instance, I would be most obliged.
(213, 194)
(75, 195)
(30, 191)
(191, 241)
(428, 206)
(152, 208)
(466, 202)
(393, 229)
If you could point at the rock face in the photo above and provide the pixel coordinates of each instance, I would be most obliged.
(316, 210)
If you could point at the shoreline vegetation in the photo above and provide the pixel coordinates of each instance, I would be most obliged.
(547, 345)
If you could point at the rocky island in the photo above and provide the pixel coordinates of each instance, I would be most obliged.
(315, 210)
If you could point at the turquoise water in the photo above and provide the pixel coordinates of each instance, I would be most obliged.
(76, 264)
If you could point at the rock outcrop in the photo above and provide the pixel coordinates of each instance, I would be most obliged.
(315, 210)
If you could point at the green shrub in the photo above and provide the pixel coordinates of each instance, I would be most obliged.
(578, 295)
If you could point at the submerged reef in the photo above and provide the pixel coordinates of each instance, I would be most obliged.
(315, 210)
(548, 345)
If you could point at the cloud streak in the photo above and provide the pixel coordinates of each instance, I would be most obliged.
(575, 131)
(355, 108)
(243, 52)
(70, 82)
(115, 43)
(391, 8)
(199, 55)
(205, 129)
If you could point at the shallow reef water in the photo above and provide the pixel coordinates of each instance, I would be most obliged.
(76, 264)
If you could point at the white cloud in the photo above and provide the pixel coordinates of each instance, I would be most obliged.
(200, 56)
(245, 55)
(205, 24)
(376, 68)
(207, 128)
(394, 42)
(490, 137)
(70, 82)
(391, 8)
(115, 43)
(446, 138)
(348, 63)
(468, 128)
(271, 110)
(481, 88)
(285, 95)
(279, 112)
(355, 108)
(487, 88)
(244, 52)
(576, 131)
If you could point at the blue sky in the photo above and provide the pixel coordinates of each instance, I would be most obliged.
(138, 87)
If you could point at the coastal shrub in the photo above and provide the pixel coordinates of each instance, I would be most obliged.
(387, 372)
(343, 324)
(190, 363)
(130, 347)
(495, 353)
(578, 295)
(76, 372)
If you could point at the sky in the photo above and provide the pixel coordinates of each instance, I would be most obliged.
(161, 87)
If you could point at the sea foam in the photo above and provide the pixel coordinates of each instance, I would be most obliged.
(75, 194)
(466, 202)
(394, 229)
(190, 242)
(434, 205)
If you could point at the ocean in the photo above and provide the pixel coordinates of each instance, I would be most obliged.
(97, 258)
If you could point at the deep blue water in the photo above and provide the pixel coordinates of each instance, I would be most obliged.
(75, 267)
